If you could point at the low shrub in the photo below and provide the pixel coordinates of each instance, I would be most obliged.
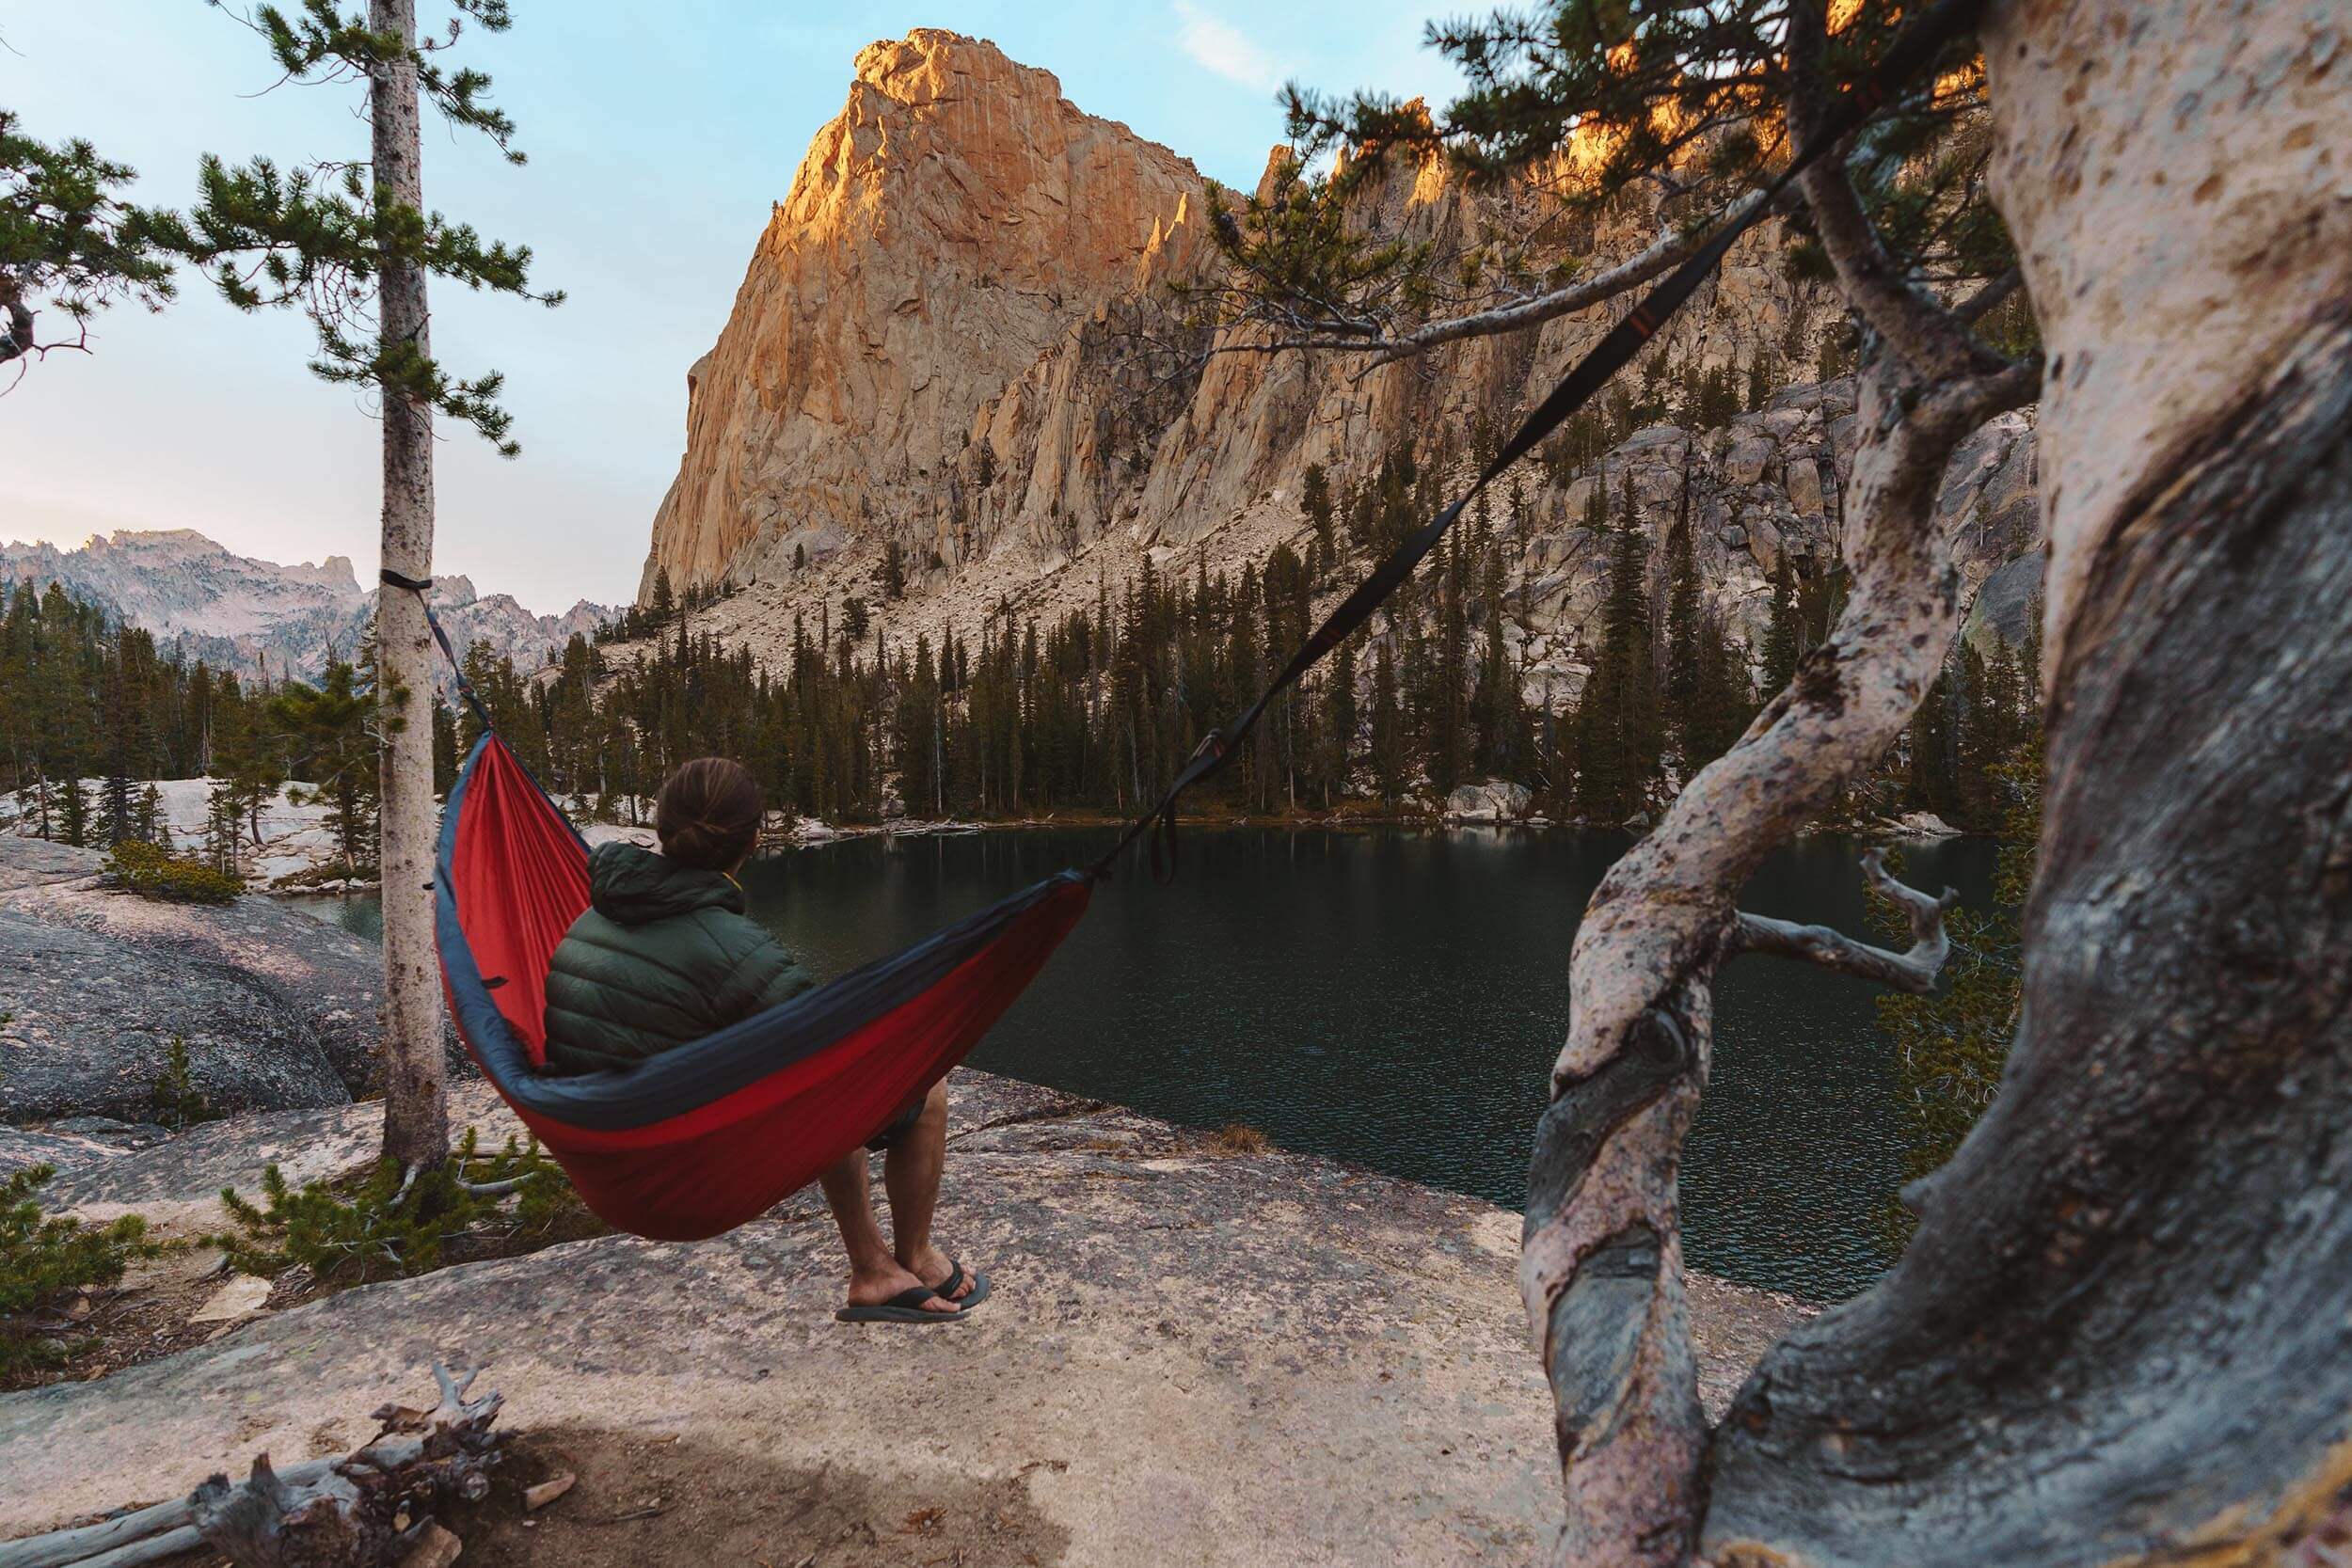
(332, 875)
(152, 871)
(175, 1102)
(44, 1256)
(387, 1226)
(1238, 1138)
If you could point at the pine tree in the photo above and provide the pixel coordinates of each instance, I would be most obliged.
(118, 814)
(249, 762)
(1388, 737)
(151, 828)
(1500, 708)
(1683, 636)
(1341, 720)
(1782, 632)
(1929, 782)
(74, 812)
(223, 848)
(1448, 738)
(351, 244)
(1763, 369)
(67, 242)
(330, 727)
(1617, 729)
(1314, 500)
(1722, 700)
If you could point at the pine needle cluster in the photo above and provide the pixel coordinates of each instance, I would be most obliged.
(319, 236)
(44, 1256)
(1565, 108)
(152, 871)
(67, 241)
(391, 1226)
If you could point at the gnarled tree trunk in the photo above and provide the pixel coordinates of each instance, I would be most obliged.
(1601, 1255)
(2120, 1333)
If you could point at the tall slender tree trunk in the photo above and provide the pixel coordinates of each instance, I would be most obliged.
(416, 1116)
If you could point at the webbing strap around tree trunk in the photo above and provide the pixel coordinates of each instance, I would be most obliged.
(1913, 49)
(421, 588)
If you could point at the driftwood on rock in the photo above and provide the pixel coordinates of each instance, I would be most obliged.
(365, 1510)
(369, 1509)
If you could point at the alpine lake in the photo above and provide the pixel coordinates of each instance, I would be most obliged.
(1395, 996)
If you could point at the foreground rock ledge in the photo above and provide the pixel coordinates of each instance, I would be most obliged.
(1189, 1357)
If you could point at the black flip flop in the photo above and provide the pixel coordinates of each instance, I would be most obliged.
(945, 1288)
(905, 1307)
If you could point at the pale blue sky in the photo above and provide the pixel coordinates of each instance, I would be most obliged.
(658, 136)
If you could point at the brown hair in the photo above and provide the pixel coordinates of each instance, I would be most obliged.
(708, 813)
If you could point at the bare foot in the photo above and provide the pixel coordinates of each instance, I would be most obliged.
(876, 1287)
(932, 1267)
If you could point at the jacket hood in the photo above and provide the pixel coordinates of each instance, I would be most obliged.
(630, 886)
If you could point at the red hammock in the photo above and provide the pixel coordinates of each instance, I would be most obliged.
(696, 1141)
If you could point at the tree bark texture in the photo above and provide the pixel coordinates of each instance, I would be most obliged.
(416, 1118)
(1600, 1265)
(2120, 1333)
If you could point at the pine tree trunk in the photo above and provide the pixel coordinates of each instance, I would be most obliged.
(2120, 1335)
(416, 1118)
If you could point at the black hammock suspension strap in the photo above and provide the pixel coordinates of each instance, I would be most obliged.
(421, 588)
(1913, 49)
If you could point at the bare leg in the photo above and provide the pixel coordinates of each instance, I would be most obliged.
(910, 1173)
(875, 1276)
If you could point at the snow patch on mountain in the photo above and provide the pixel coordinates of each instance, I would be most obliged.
(204, 601)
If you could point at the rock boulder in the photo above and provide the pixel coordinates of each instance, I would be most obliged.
(92, 1021)
(1495, 801)
(277, 1009)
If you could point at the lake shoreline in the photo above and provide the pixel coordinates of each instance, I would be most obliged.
(1393, 996)
(814, 834)
(1893, 830)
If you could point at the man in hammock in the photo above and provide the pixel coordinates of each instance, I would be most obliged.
(663, 956)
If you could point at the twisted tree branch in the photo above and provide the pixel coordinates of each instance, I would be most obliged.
(1671, 248)
(1600, 1260)
(1922, 331)
(1914, 971)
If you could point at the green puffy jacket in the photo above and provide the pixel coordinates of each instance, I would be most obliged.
(662, 958)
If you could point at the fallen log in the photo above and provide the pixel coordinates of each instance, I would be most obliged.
(365, 1510)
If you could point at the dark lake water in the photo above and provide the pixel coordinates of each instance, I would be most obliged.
(1394, 997)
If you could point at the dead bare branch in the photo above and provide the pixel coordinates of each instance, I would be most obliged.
(1913, 970)
(1672, 246)
(341, 1511)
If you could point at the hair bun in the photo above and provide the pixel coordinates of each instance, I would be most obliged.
(708, 813)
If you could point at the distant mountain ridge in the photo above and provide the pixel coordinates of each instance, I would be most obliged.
(204, 601)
